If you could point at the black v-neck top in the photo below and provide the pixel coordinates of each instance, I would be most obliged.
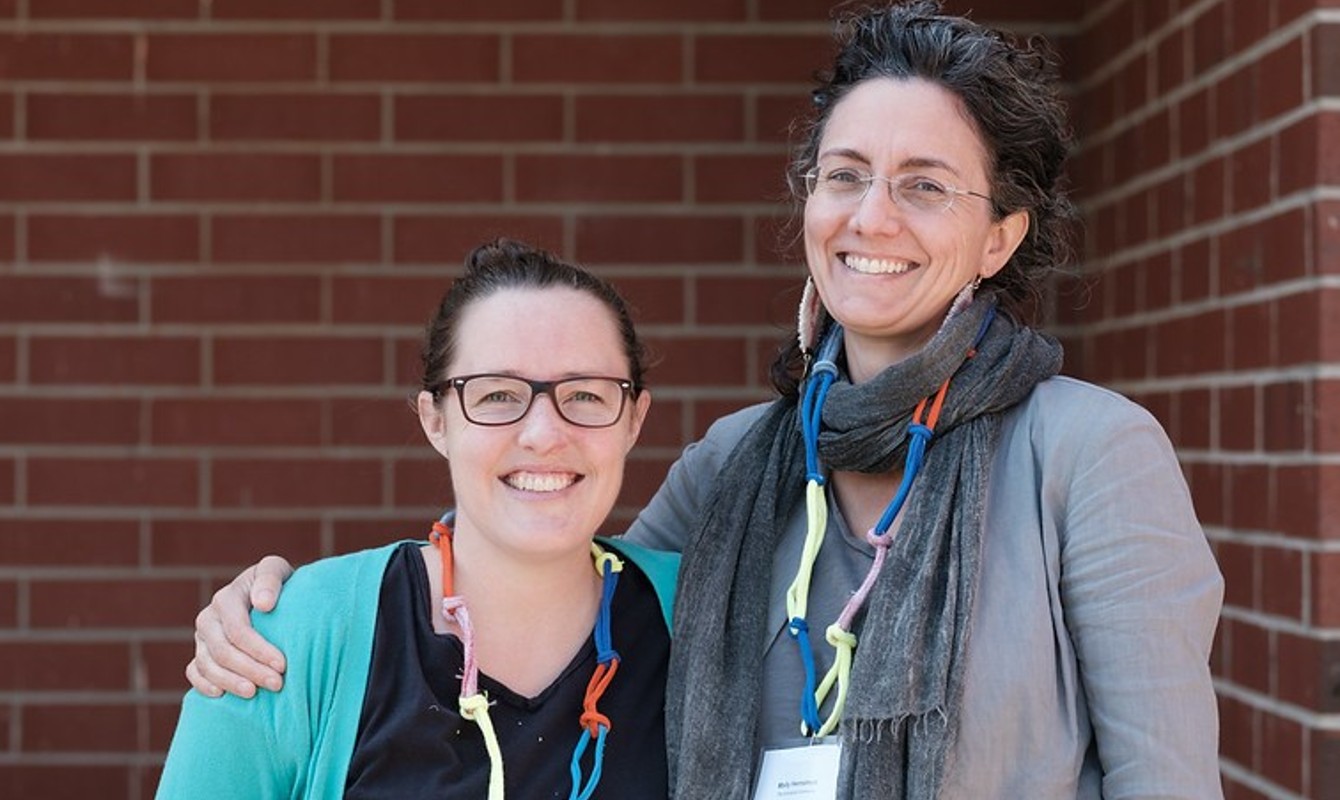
(413, 743)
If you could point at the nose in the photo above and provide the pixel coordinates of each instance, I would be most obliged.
(542, 429)
(878, 211)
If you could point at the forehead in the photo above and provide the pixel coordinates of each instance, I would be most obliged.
(895, 122)
(539, 333)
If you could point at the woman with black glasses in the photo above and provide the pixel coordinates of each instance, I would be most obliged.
(510, 653)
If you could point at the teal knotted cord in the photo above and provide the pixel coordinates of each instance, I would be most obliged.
(594, 724)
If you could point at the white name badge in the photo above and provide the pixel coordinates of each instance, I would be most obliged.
(804, 772)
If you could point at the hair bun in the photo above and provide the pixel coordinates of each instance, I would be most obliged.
(497, 253)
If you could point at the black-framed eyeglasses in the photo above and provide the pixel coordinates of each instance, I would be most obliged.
(916, 192)
(587, 401)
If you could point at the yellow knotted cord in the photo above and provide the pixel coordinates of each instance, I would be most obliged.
(816, 522)
(476, 708)
(798, 594)
(600, 556)
(844, 646)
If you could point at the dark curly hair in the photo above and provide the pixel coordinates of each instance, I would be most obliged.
(1010, 90)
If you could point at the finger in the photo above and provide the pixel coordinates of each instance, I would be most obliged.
(199, 683)
(238, 647)
(218, 663)
(267, 581)
(229, 649)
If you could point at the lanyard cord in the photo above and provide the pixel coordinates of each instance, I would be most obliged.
(595, 724)
(474, 704)
(839, 634)
(821, 378)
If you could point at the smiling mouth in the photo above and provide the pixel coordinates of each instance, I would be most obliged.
(542, 482)
(876, 266)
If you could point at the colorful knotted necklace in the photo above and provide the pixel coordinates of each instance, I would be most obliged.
(474, 704)
(921, 429)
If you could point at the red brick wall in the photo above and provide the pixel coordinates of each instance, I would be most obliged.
(223, 223)
(1208, 171)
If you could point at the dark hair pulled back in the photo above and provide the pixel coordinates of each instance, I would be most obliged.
(508, 264)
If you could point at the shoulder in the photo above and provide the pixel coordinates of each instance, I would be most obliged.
(1070, 437)
(728, 430)
(325, 624)
(703, 459)
(1073, 415)
(341, 572)
(666, 521)
(338, 588)
(1071, 401)
(725, 433)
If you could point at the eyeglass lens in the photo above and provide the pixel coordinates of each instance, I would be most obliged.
(912, 191)
(502, 399)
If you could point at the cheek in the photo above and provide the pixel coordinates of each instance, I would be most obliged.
(612, 452)
(817, 225)
(464, 443)
(960, 245)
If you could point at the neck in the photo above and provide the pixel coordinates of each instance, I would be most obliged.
(493, 576)
(542, 608)
(862, 497)
(867, 356)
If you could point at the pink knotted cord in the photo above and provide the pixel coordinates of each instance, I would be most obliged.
(454, 609)
(857, 600)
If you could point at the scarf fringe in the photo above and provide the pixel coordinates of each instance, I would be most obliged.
(868, 731)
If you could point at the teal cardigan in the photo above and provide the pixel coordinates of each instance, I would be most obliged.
(296, 743)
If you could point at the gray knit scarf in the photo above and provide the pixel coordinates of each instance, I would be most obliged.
(907, 678)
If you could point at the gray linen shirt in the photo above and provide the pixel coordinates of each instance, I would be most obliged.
(1087, 673)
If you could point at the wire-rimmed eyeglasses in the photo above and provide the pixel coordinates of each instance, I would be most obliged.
(851, 185)
(587, 401)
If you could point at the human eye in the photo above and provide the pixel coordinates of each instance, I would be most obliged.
(844, 177)
(587, 393)
(495, 392)
(920, 184)
(924, 191)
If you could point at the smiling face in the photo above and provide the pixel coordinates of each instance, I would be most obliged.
(541, 486)
(886, 270)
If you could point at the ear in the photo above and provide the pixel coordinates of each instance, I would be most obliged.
(1002, 241)
(433, 420)
(637, 416)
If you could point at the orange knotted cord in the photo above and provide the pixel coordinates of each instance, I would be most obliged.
(591, 718)
(441, 530)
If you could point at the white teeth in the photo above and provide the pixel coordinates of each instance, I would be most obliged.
(876, 266)
(540, 481)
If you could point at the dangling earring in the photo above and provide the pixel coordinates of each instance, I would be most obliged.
(964, 297)
(807, 317)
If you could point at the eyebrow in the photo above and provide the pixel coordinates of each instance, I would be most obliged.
(511, 373)
(916, 162)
